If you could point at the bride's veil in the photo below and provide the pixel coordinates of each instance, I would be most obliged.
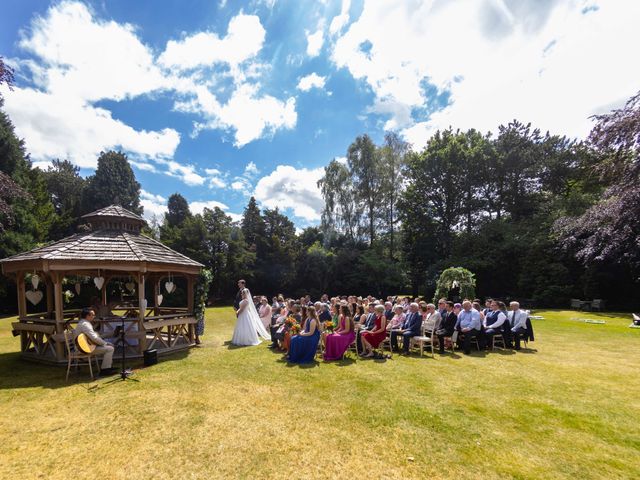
(255, 318)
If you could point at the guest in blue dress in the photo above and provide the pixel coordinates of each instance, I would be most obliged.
(303, 346)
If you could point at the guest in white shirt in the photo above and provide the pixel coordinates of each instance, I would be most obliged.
(518, 322)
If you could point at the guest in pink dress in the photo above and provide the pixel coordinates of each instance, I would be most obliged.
(265, 312)
(398, 318)
(337, 343)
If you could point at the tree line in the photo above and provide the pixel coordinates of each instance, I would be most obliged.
(535, 216)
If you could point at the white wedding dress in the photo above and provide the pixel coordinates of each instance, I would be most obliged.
(249, 326)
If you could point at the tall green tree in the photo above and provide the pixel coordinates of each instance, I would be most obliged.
(342, 212)
(66, 188)
(393, 155)
(177, 210)
(363, 160)
(113, 183)
(252, 224)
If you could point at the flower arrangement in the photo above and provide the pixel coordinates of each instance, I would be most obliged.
(295, 329)
(290, 322)
(328, 326)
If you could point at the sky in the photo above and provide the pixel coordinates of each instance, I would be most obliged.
(220, 100)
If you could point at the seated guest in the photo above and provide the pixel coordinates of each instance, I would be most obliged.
(277, 327)
(103, 348)
(457, 308)
(303, 346)
(411, 327)
(424, 310)
(298, 313)
(372, 338)
(388, 310)
(442, 307)
(433, 316)
(359, 314)
(478, 308)
(487, 306)
(447, 326)
(494, 321)
(518, 322)
(469, 324)
(324, 315)
(338, 342)
(366, 323)
(396, 322)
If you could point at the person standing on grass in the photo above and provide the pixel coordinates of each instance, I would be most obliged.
(236, 303)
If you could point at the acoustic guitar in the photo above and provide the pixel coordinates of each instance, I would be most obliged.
(84, 344)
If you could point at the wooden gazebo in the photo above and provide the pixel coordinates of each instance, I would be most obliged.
(112, 248)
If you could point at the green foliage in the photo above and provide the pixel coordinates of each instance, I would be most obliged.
(177, 210)
(113, 183)
(201, 294)
(66, 189)
(456, 277)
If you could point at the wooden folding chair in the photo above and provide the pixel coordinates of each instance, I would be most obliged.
(76, 357)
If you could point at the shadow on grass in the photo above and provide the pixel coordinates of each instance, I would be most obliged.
(16, 372)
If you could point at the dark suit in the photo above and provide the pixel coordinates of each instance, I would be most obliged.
(411, 328)
(447, 327)
(236, 303)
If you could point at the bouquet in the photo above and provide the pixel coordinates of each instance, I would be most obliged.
(295, 329)
(290, 322)
(328, 326)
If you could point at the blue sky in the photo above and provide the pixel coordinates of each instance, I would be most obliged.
(221, 100)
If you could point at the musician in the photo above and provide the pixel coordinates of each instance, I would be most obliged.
(102, 348)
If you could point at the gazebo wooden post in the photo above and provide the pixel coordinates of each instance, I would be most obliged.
(22, 299)
(190, 309)
(156, 292)
(59, 307)
(50, 303)
(142, 343)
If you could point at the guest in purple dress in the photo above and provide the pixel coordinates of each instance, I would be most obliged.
(338, 342)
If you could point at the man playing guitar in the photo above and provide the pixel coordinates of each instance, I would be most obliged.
(103, 348)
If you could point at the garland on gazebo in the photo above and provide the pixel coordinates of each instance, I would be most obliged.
(456, 277)
(201, 292)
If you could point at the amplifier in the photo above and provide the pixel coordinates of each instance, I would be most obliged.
(150, 357)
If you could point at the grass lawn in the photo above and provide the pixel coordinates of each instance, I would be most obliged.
(567, 408)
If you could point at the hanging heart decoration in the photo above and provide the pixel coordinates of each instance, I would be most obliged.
(78, 287)
(169, 286)
(130, 286)
(159, 298)
(34, 296)
(174, 288)
(35, 281)
(99, 282)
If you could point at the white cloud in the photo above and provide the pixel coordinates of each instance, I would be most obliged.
(547, 63)
(340, 21)
(235, 217)
(244, 39)
(186, 173)
(240, 185)
(313, 80)
(251, 169)
(292, 189)
(314, 42)
(198, 207)
(153, 205)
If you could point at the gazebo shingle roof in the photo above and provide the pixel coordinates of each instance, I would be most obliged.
(107, 244)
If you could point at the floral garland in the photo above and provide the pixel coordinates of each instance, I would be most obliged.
(201, 292)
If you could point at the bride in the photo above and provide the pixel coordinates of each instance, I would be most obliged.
(249, 325)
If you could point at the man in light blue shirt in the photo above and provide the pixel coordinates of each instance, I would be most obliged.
(469, 324)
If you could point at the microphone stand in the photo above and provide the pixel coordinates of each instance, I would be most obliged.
(125, 373)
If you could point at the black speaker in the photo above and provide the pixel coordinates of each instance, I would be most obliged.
(150, 357)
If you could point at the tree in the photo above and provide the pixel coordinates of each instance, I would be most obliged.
(609, 231)
(252, 224)
(66, 188)
(363, 160)
(393, 155)
(113, 183)
(177, 211)
(8, 191)
(341, 212)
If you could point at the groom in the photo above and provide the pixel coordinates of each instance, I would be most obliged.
(236, 303)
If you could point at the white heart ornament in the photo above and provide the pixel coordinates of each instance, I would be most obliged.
(35, 281)
(34, 296)
(99, 282)
(130, 286)
(169, 286)
(159, 299)
(77, 286)
(174, 288)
